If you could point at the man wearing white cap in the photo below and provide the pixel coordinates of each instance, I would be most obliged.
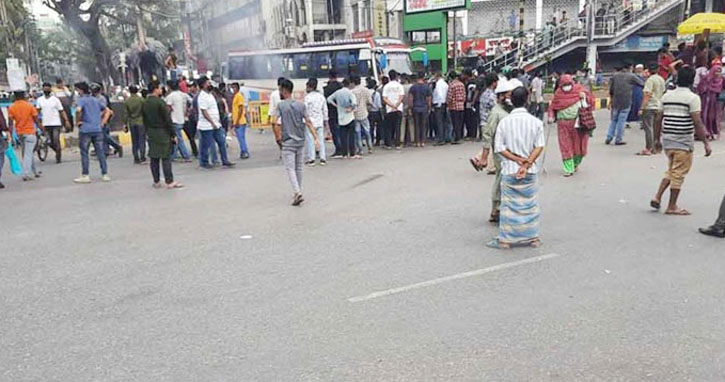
(501, 110)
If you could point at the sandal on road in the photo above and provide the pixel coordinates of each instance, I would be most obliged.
(679, 212)
(474, 163)
(495, 244)
(174, 185)
(655, 204)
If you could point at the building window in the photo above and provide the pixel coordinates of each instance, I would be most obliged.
(431, 36)
(355, 18)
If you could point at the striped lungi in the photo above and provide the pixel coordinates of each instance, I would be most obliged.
(519, 222)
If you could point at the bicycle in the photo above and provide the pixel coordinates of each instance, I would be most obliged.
(41, 148)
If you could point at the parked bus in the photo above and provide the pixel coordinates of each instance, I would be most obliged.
(372, 57)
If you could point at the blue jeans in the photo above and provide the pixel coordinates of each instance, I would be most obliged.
(138, 142)
(28, 142)
(108, 139)
(241, 131)
(85, 140)
(180, 145)
(208, 139)
(310, 142)
(362, 128)
(616, 127)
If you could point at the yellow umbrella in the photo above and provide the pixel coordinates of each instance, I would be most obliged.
(700, 22)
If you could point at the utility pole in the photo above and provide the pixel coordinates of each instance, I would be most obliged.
(455, 41)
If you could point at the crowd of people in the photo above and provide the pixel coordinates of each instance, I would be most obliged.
(504, 111)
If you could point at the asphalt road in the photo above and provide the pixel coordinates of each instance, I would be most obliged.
(224, 281)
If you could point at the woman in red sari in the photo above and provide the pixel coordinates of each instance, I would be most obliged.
(710, 86)
(564, 109)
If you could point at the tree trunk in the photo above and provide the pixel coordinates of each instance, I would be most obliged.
(101, 51)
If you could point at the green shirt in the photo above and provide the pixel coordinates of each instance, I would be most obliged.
(159, 129)
(494, 117)
(655, 85)
(571, 112)
(133, 108)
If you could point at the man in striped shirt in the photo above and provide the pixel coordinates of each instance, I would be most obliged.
(677, 124)
(520, 141)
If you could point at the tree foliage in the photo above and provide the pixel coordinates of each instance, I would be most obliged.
(12, 35)
(110, 26)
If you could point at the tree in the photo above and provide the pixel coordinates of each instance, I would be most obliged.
(91, 17)
(15, 22)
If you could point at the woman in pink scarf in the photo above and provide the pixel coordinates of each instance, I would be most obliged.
(709, 88)
(564, 108)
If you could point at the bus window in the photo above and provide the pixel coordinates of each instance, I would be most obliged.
(321, 64)
(303, 66)
(342, 63)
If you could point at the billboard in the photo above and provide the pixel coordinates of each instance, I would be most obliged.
(418, 6)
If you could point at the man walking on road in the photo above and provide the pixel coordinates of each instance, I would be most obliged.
(497, 114)
(654, 89)
(210, 126)
(620, 91)
(678, 123)
(54, 118)
(316, 106)
(177, 102)
(717, 229)
(239, 120)
(109, 141)
(162, 133)
(133, 107)
(24, 116)
(456, 100)
(520, 141)
(291, 137)
(91, 115)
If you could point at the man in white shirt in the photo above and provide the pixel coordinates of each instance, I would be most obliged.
(210, 126)
(176, 101)
(520, 141)
(317, 111)
(537, 96)
(274, 100)
(345, 102)
(393, 95)
(440, 92)
(52, 111)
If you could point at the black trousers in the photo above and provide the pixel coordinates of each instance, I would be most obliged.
(471, 123)
(347, 139)
(376, 126)
(457, 120)
(421, 126)
(166, 164)
(190, 131)
(54, 135)
(392, 127)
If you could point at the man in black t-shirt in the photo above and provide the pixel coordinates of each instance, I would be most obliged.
(470, 115)
(332, 86)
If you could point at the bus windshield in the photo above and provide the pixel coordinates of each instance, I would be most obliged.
(400, 62)
(298, 65)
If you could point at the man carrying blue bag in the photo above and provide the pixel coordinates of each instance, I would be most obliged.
(4, 144)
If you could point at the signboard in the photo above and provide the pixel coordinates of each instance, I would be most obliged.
(495, 46)
(417, 6)
(639, 44)
(16, 74)
(380, 22)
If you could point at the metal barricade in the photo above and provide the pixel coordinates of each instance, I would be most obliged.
(257, 116)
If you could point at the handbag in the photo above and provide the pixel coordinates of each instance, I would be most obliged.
(586, 119)
(15, 166)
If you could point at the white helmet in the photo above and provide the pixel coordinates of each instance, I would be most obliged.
(504, 86)
(515, 83)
